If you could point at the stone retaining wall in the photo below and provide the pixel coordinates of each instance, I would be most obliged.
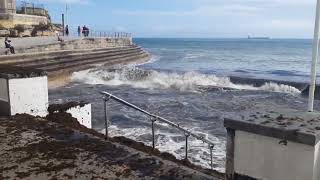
(87, 43)
(10, 20)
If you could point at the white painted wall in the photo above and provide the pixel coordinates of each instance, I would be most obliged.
(264, 158)
(82, 114)
(316, 168)
(4, 90)
(29, 95)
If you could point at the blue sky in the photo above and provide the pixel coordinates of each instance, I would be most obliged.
(192, 18)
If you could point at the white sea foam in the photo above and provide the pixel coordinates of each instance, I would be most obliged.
(153, 59)
(199, 152)
(195, 55)
(280, 88)
(139, 78)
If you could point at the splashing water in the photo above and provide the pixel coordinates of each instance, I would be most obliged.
(151, 79)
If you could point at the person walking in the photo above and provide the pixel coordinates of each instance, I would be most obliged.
(67, 30)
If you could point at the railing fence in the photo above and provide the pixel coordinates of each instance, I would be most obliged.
(154, 118)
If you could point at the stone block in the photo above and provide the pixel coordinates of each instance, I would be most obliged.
(281, 144)
(23, 91)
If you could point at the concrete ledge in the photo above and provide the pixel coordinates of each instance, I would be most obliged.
(274, 145)
(79, 110)
(13, 72)
(296, 126)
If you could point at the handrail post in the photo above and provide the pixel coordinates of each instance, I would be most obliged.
(211, 155)
(153, 134)
(106, 120)
(187, 137)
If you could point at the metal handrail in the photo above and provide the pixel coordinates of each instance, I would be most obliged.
(106, 34)
(154, 118)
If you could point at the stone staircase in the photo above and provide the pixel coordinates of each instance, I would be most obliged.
(68, 61)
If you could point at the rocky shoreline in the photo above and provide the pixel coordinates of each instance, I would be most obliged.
(58, 147)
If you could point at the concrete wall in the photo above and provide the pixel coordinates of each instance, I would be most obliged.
(4, 90)
(35, 11)
(316, 168)
(29, 95)
(86, 43)
(82, 114)
(4, 97)
(10, 20)
(263, 157)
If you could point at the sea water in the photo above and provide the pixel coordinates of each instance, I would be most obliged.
(188, 82)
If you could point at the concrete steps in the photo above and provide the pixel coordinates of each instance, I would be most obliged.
(90, 61)
(15, 59)
(73, 68)
(74, 60)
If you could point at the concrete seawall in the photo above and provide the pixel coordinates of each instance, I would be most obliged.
(60, 60)
(76, 44)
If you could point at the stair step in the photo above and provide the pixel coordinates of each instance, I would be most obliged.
(74, 68)
(11, 59)
(73, 58)
(88, 61)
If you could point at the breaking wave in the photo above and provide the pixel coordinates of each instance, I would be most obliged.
(150, 79)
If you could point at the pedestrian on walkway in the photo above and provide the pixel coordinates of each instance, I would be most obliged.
(8, 45)
(79, 31)
(67, 30)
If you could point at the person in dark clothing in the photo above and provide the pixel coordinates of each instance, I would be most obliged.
(79, 31)
(8, 45)
(67, 30)
(88, 31)
(84, 31)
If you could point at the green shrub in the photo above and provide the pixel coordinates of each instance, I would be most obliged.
(19, 28)
(41, 27)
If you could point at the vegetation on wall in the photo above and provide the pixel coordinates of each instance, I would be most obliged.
(41, 27)
(20, 28)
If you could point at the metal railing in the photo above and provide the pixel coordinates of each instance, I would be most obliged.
(110, 34)
(24, 7)
(102, 34)
(154, 119)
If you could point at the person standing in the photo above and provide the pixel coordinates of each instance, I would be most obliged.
(84, 31)
(79, 31)
(67, 30)
(88, 31)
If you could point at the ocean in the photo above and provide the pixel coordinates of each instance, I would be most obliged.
(196, 83)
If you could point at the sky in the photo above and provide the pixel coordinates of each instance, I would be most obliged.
(191, 18)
